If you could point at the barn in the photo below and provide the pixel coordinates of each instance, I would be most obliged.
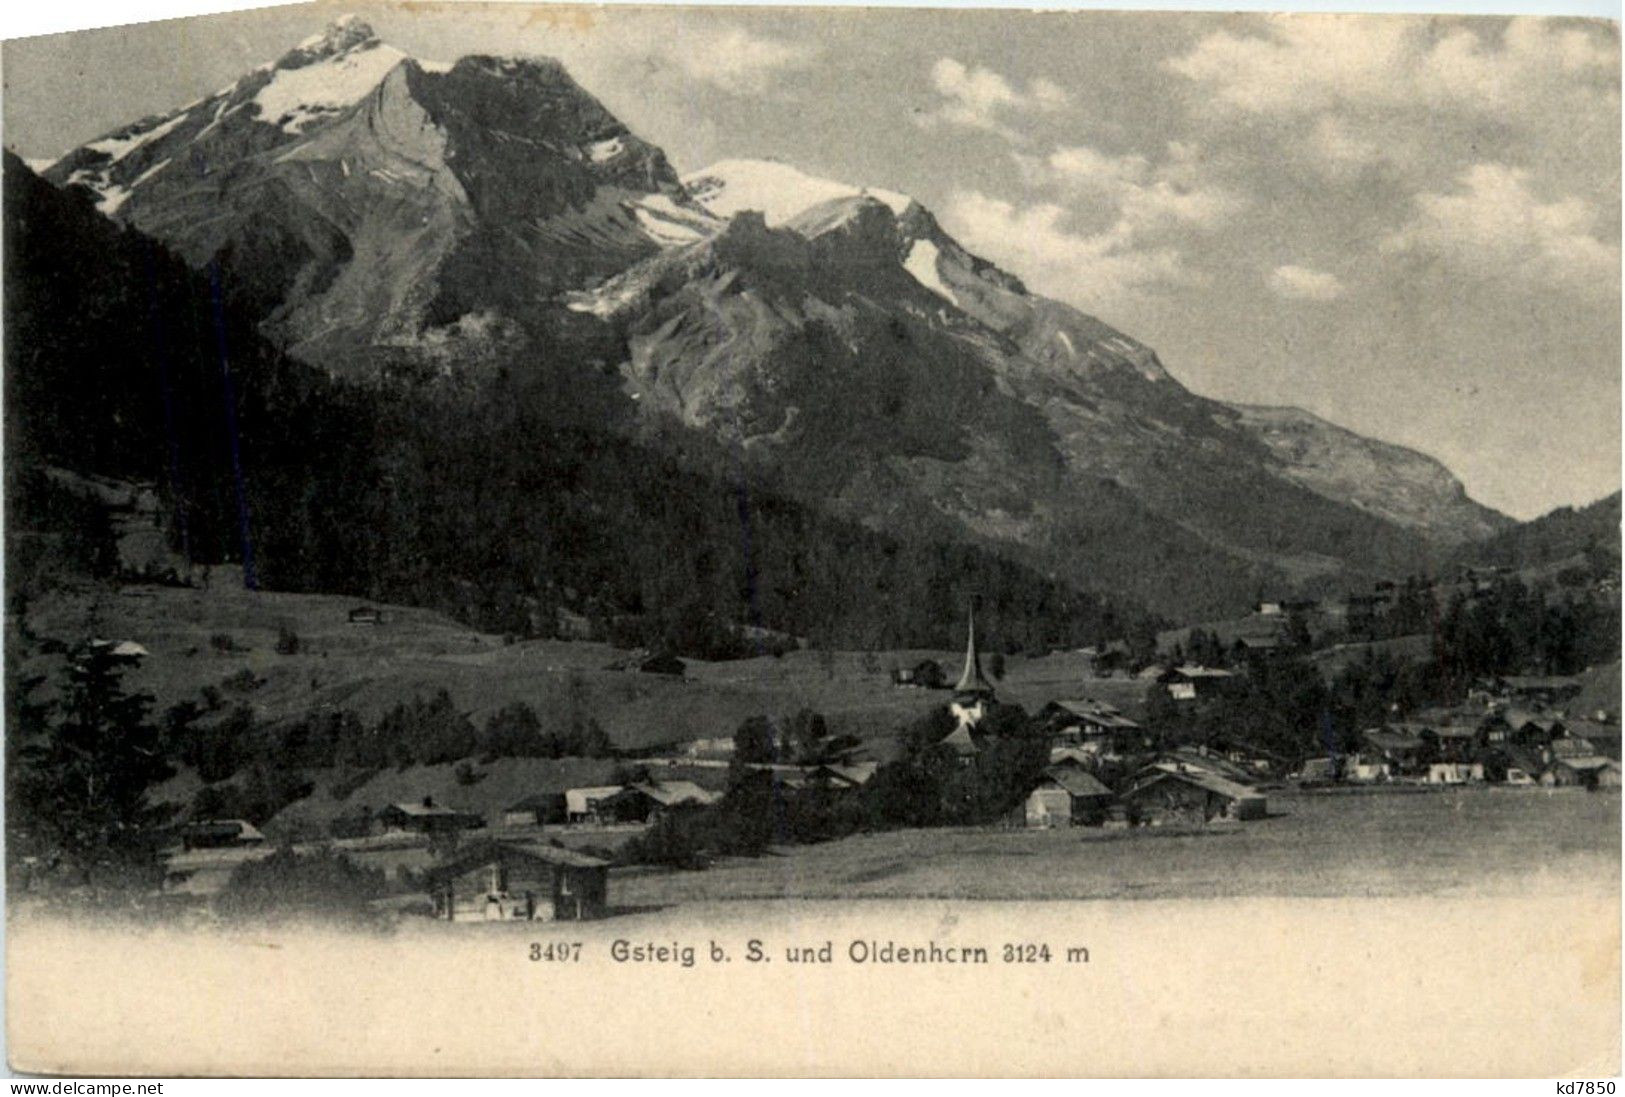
(1065, 796)
(506, 882)
(1193, 797)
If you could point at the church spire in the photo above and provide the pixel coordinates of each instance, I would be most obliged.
(971, 682)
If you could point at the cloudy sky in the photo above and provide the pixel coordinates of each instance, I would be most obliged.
(1408, 225)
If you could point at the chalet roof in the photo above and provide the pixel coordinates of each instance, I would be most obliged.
(855, 773)
(1586, 762)
(1078, 782)
(576, 799)
(1196, 758)
(1571, 747)
(1195, 670)
(1212, 782)
(1521, 718)
(536, 801)
(422, 810)
(971, 680)
(241, 829)
(1261, 643)
(494, 852)
(1097, 712)
(1592, 730)
(672, 793)
(1386, 740)
(124, 649)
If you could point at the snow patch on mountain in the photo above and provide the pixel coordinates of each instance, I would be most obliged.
(295, 96)
(120, 145)
(922, 264)
(600, 151)
(670, 224)
(778, 191)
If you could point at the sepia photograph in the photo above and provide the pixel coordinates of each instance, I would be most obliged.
(549, 540)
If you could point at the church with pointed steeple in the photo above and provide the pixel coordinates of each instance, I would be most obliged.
(973, 695)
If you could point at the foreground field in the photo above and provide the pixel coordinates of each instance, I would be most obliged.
(1469, 842)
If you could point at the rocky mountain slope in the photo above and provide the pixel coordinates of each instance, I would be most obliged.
(1406, 487)
(373, 209)
(361, 200)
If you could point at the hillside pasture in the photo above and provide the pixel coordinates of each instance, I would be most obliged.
(226, 639)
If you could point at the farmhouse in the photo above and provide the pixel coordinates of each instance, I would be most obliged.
(503, 881)
(1604, 738)
(1316, 770)
(1195, 759)
(589, 804)
(634, 803)
(1520, 727)
(220, 834)
(1065, 796)
(1399, 748)
(1454, 773)
(1193, 797)
(536, 809)
(1584, 771)
(1191, 682)
(427, 817)
(1540, 689)
(1366, 770)
(1072, 723)
(1113, 656)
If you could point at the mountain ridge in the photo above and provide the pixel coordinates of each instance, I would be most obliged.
(458, 219)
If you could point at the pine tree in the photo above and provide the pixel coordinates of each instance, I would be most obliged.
(83, 790)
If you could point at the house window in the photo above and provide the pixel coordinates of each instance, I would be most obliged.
(564, 885)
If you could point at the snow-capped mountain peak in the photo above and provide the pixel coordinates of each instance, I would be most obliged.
(345, 32)
(779, 191)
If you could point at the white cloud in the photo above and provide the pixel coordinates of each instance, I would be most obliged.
(1310, 64)
(1140, 197)
(1297, 283)
(1337, 148)
(1095, 270)
(980, 98)
(1494, 227)
(731, 58)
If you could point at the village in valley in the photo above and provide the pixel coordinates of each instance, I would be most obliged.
(1177, 738)
(427, 504)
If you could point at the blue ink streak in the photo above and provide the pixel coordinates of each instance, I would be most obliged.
(229, 394)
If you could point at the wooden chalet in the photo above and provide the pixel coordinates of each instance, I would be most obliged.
(505, 881)
(1192, 797)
